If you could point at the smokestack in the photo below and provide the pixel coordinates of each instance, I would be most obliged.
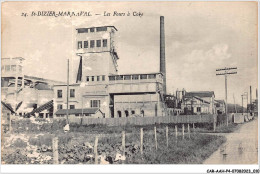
(162, 53)
(250, 96)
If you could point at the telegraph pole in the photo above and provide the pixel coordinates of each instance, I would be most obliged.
(67, 112)
(246, 94)
(235, 103)
(226, 71)
(242, 105)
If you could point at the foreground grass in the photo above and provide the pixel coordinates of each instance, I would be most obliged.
(193, 150)
(188, 151)
(219, 129)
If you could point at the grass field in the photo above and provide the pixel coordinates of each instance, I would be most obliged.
(76, 147)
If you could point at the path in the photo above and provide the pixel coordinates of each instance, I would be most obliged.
(241, 146)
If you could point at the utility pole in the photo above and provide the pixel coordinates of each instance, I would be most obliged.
(225, 73)
(246, 102)
(242, 104)
(250, 108)
(235, 103)
(68, 91)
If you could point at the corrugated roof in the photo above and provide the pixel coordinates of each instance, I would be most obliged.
(200, 93)
(78, 111)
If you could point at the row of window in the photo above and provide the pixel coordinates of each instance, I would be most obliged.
(8, 68)
(126, 112)
(93, 104)
(85, 30)
(95, 78)
(133, 77)
(72, 93)
(85, 44)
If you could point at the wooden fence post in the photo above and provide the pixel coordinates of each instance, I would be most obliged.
(167, 136)
(141, 140)
(189, 130)
(55, 150)
(155, 137)
(182, 131)
(95, 150)
(123, 142)
(214, 123)
(176, 132)
(193, 126)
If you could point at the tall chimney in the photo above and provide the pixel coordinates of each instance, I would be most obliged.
(162, 53)
(250, 96)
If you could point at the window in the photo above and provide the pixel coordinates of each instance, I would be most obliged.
(59, 106)
(112, 78)
(98, 43)
(13, 67)
(79, 44)
(94, 103)
(85, 44)
(126, 113)
(133, 112)
(151, 76)
(92, 78)
(20, 68)
(127, 77)
(198, 109)
(101, 29)
(92, 30)
(142, 113)
(87, 78)
(59, 93)
(135, 77)
(7, 67)
(72, 93)
(103, 78)
(119, 77)
(92, 44)
(104, 42)
(143, 76)
(72, 106)
(119, 114)
(98, 78)
(82, 30)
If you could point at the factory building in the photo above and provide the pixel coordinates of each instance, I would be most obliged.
(99, 85)
(24, 95)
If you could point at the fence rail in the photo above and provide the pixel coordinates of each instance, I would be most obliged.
(143, 120)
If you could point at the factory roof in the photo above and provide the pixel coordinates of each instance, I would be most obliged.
(78, 111)
(82, 28)
(198, 98)
(200, 93)
(137, 74)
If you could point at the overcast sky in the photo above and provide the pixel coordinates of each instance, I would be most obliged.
(200, 37)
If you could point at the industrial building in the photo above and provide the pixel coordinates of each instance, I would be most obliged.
(99, 90)
(22, 94)
(98, 84)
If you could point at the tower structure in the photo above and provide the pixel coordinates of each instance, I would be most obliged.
(98, 57)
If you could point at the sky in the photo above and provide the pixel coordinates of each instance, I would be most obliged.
(200, 38)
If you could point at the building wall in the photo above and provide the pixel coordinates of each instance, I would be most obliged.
(148, 103)
(83, 97)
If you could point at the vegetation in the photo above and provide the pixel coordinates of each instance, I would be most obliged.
(77, 147)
